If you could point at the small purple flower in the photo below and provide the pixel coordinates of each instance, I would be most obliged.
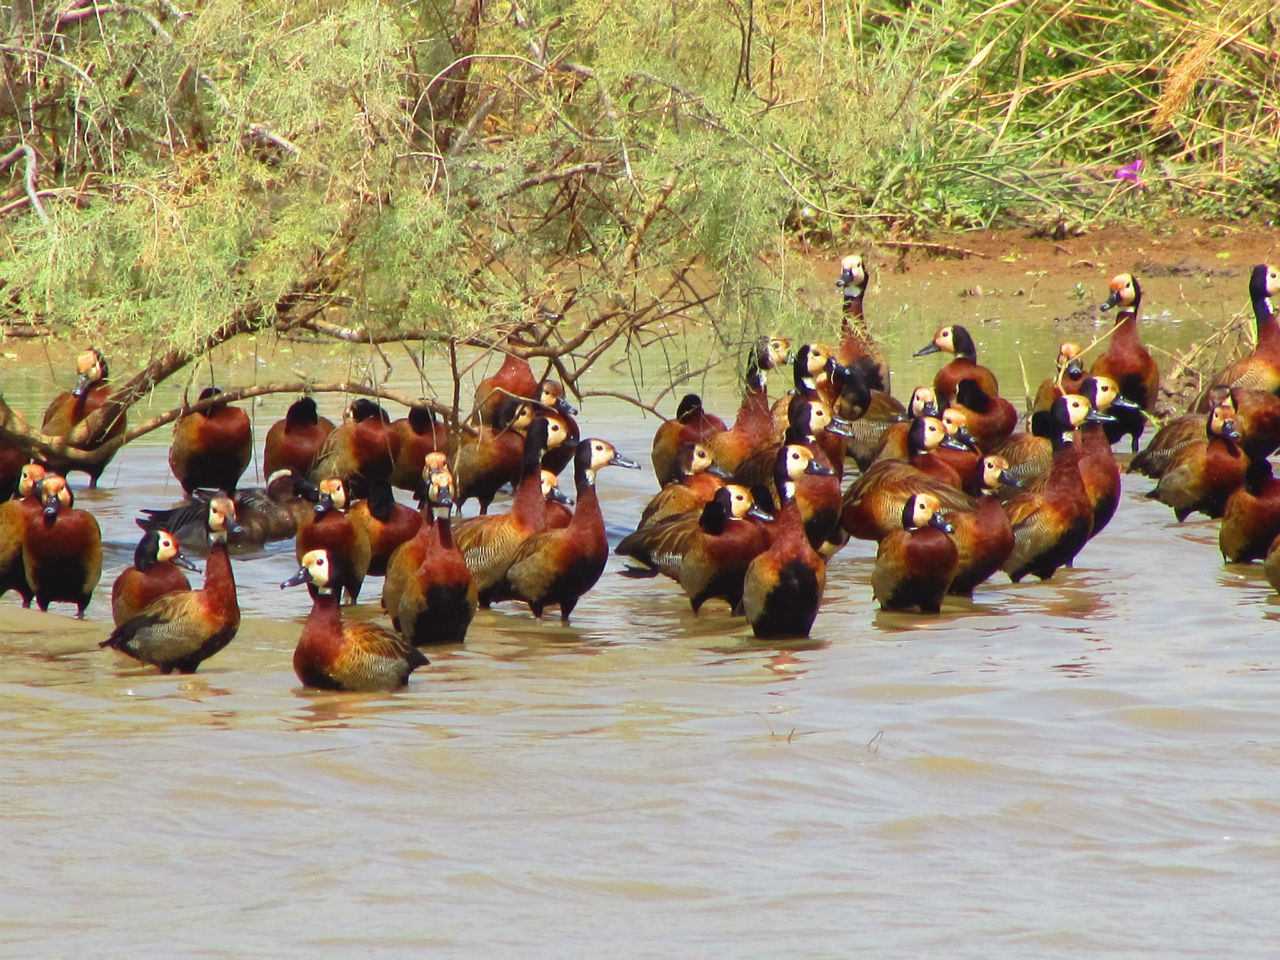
(1131, 172)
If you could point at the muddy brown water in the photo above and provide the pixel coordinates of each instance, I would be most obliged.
(1088, 766)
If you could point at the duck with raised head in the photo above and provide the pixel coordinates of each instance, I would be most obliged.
(155, 572)
(69, 408)
(553, 405)
(1251, 515)
(699, 479)
(916, 563)
(490, 542)
(556, 567)
(1260, 369)
(1069, 374)
(958, 342)
(990, 419)
(692, 424)
(514, 380)
(361, 449)
(982, 533)
(754, 424)
(429, 592)
(294, 440)
(62, 549)
(1052, 522)
(386, 524)
(857, 348)
(329, 528)
(1127, 361)
(420, 433)
(783, 585)
(211, 448)
(662, 545)
(1204, 474)
(15, 516)
(181, 630)
(331, 655)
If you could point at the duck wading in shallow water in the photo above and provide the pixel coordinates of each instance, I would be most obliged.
(211, 448)
(916, 563)
(62, 549)
(559, 566)
(357, 656)
(293, 441)
(1127, 362)
(783, 585)
(181, 630)
(429, 592)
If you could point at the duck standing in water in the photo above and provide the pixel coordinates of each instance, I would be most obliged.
(1127, 362)
(559, 566)
(783, 585)
(357, 656)
(916, 564)
(429, 592)
(69, 408)
(211, 448)
(181, 630)
(958, 342)
(62, 549)
(294, 440)
(14, 516)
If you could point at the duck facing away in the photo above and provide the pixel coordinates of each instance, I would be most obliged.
(181, 630)
(155, 572)
(692, 424)
(357, 656)
(211, 448)
(916, 564)
(429, 592)
(294, 440)
(559, 566)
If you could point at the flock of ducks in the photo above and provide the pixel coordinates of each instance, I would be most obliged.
(748, 513)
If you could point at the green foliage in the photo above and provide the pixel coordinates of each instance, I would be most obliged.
(465, 165)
